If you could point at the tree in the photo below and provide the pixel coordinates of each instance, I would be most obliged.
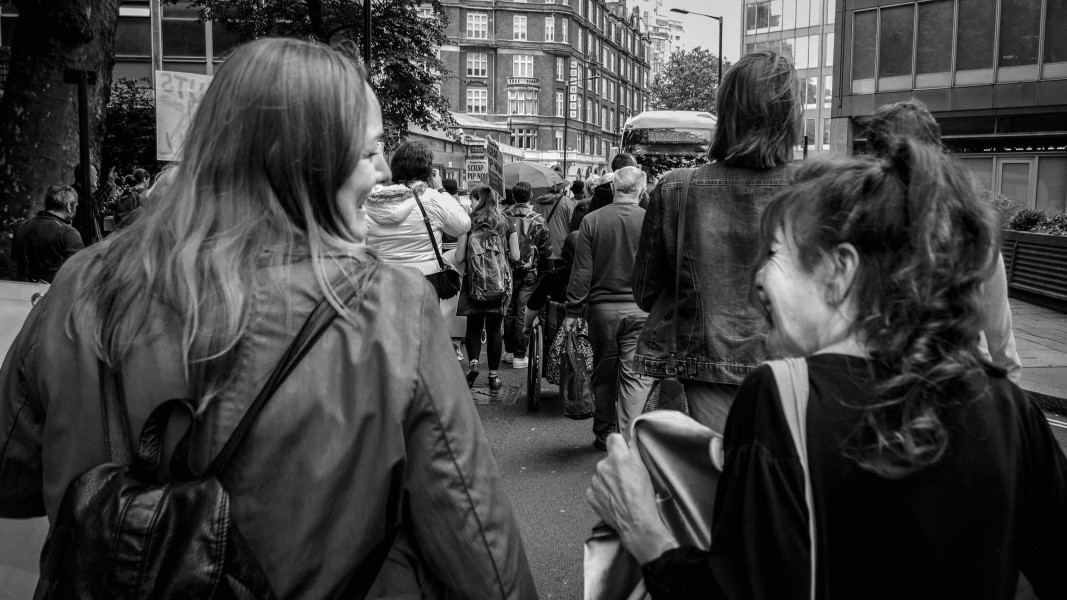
(131, 127)
(39, 111)
(405, 68)
(688, 82)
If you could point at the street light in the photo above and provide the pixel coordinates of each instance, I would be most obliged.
(719, 19)
(567, 115)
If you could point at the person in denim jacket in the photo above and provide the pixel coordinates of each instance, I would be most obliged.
(720, 336)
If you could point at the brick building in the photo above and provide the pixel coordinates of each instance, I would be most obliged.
(541, 67)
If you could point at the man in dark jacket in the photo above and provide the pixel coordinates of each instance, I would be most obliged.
(556, 207)
(600, 289)
(603, 194)
(45, 241)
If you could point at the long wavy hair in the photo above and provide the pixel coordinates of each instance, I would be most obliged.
(486, 208)
(759, 112)
(926, 243)
(280, 129)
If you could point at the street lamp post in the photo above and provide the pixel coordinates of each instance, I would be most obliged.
(719, 19)
(567, 115)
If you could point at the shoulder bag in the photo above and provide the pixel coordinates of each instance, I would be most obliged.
(684, 460)
(668, 393)
(446, 281)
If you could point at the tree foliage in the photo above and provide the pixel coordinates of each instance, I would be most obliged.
(688, 82)
(130, 141)
(405, 69)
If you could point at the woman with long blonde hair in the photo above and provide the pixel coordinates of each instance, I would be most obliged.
(372, 432)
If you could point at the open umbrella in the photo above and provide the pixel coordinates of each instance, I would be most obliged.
(538, 176)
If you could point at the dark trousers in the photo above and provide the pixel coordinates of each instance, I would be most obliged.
(473, 339)
(523, 284)
(604, 321)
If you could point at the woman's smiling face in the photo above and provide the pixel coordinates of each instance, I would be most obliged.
(795, 302)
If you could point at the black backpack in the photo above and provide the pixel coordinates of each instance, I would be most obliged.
(123, 532)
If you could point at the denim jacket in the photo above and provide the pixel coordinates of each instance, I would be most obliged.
(720, 334)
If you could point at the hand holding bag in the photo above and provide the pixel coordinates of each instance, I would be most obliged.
(446, 281)
(668, 393)
(684, 460)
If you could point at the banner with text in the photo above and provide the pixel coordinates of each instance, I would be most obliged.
(495, 161)
(177, 97)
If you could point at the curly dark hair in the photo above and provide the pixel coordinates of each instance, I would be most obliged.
(412, 161)
(926, 243)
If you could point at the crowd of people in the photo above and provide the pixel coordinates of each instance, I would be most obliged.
(368, 472)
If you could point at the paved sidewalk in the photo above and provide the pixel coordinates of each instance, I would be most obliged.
(1041, 339)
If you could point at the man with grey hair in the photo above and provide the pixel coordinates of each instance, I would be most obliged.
(600, 290)
(45, 241)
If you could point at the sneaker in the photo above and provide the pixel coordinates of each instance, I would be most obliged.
(494, 383)
(472, 373)
(508, 357)
(520, 363)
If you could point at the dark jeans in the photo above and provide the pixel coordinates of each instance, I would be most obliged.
(604, 320)
(522, 286)
(473, 339)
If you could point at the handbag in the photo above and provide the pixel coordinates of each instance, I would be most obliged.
(445, 282)
(668, 392)
(684, 460)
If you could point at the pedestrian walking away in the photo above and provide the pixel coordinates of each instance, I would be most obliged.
(890, 458)
(720, 338)
(535, 250)
(362, 469)
(42, 243)
(486, 252)
(600, 289)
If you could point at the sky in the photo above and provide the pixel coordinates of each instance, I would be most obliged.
(704, 32)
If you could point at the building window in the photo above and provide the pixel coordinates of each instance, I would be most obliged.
(895, 43)
(561, 65)
(809, 131)
(477, 100)
(864, 35)
(524, 138)
(559, 104)
(522, 65)
(559, 141)
(590, 116)
(811, 92)
(604, 122)
(974, 48)
(477, 64)
(550, 29)
(425, 11)
(933, 62)
(478, 26)
(565, 30)
(581, 40)
(826, 133)
(828, 91)
(522, 102)
(518, 27)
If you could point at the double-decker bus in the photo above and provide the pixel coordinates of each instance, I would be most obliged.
(662, 140)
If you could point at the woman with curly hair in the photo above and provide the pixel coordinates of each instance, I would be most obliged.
(931, 474)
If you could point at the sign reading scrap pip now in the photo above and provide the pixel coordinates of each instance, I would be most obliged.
(177, 96)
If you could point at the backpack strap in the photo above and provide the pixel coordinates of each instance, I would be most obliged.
(791, 375)
(679, 251)
(316, 323)
(559, 200)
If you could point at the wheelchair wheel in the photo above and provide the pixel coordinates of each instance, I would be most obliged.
(535, 354)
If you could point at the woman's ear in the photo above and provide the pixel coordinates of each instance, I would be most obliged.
(843, 264)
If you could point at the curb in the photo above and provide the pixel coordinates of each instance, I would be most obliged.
(1047, 402)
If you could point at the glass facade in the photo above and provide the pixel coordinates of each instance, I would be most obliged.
(946, 43)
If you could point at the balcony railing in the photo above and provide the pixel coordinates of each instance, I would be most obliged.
(521, 81)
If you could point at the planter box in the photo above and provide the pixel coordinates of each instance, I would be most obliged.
(1036, 265)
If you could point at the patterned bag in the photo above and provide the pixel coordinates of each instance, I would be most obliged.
(570, 361)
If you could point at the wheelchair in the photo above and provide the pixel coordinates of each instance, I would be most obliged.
(542, 333)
